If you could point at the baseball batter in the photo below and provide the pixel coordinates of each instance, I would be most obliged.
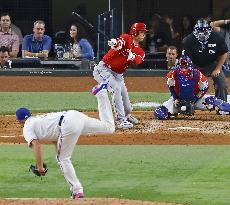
(65, 128)
(124, 51)
(187, 84)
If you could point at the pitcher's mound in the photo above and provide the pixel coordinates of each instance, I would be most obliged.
(89, 201)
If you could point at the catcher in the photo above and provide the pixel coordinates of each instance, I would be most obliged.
(65, 129)
(188, 87)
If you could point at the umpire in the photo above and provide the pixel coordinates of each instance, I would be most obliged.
(208, 52)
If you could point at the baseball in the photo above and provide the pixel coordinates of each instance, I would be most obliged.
(183, 108)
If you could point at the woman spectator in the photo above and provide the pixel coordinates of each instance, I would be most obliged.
(187, 26)
(79, 48)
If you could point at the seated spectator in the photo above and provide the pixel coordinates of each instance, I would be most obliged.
(159, 36)
(5, 58)
(36, 44)
(223, 28)
(18, 31)
(79, 47)
(171, 57)
(8, 37)
(187, 25)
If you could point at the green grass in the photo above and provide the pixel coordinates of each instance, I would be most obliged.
(56, 101)
(194, 175)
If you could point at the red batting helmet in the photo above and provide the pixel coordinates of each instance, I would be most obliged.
(137, 27)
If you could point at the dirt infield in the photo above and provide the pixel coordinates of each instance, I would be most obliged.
(91, 201)
(202, 128)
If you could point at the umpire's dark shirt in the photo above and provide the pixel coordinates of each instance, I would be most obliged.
(215, 47)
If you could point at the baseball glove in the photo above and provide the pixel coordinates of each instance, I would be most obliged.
(186, 108)
(35, 171)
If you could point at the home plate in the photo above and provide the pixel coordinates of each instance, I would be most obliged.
(183, 128)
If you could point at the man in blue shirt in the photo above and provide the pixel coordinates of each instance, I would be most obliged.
(37, 44)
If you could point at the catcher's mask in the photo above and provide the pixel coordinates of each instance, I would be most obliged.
(161, 113)
(202, 30)
(136, 27)
(22, 114)
(185, 66)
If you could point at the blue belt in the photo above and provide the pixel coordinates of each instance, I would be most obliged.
(60, 120)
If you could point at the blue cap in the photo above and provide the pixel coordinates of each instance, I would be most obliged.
(22, 113)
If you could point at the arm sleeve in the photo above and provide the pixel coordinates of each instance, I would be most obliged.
(171, 84)
(15, 46)
(25, 44)
(29, 134)
(139, 57)
(47, 43)
(86, 49)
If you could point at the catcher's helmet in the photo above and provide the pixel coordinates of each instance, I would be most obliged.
(185, 66)
(161, 113)
(22, 113)
(202, 30)
(137, 27)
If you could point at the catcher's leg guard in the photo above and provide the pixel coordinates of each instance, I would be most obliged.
(161, 113)
(217, 103)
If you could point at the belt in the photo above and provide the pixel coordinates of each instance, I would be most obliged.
(60, 120)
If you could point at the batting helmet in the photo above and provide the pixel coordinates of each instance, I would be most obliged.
(22, 113)
(137, 27)
(161, 112)
(202, 30)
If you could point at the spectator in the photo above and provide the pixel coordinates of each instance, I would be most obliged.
(5, 58)
(170, 21)
(8, 37)
(80, 47)
(159, 36)
(223, 28)
(186, 26)
(208, 51)
(18, 31)
(171, 57)
(37, 44)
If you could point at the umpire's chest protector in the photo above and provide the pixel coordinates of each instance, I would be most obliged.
(186, 86)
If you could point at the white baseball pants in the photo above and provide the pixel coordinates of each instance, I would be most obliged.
(73, 125)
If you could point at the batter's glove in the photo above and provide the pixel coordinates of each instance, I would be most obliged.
(131, 55)
(112, 42)
(35, 171)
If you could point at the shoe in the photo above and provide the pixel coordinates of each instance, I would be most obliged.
(132, 119)
(77, 196)
(98, 88)
(125, 125)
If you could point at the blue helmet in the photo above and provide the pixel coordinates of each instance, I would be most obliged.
(22, 113)
(161, 113)
(202, 30)
(184, 67)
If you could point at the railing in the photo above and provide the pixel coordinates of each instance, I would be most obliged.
(107, 29)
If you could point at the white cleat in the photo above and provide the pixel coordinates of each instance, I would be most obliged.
(125, 125)
(132, 119)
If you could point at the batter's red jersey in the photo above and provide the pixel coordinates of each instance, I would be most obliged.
(118, 59)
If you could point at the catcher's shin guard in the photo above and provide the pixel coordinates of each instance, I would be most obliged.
(218, 103)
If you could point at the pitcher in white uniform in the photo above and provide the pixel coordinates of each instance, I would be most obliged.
(65, 128)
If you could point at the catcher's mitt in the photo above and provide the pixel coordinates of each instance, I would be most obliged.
(186, 108)
(35, 171)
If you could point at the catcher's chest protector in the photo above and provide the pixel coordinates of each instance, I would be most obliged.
(186, 86)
